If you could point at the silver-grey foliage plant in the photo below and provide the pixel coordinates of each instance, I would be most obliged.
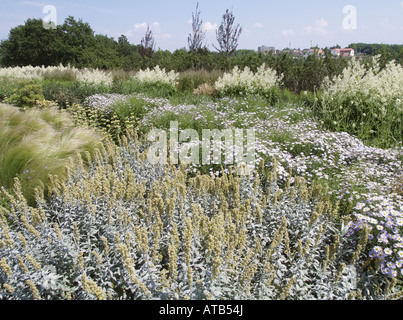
(126, 229)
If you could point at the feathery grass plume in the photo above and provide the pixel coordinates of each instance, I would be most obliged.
(37, 143)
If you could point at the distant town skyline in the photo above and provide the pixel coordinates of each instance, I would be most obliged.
(279, 24)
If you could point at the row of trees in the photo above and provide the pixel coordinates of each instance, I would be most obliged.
(75, 43)
(394, 51)
(388, 52)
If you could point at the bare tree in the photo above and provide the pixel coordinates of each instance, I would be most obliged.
(228, 34)
(196, 39)
(147, 44)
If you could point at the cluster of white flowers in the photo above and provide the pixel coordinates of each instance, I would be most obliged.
(29, 72)
(22, 73)
(157, 75)
(247, 82)
(360, 84)
(94, 77)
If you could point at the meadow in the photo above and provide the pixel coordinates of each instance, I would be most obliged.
(84, 214)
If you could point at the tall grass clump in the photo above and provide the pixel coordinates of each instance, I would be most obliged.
(244, 82)
(37, 143)
(192, 79)
(7, 88)
(60, 74)
(127, 229)
(67, 93)
(366, 101)
(122, 75)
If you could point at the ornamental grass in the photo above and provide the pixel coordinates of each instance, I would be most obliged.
(36, 143)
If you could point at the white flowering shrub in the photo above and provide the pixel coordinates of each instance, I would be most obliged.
(158, 77)
(89, 76)
(96, 76)
(126, 229)
(35, 73)
(381, 87)
(366, 101)
(22, 73)
(245, 82)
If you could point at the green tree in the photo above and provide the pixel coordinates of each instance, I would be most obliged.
(103, 53)
(133, 61)
(32, 44)
(400, 56)
(163, 58)
(129, 54)
(181, 60)
(77, 38)
(386, 55)
(124, 46)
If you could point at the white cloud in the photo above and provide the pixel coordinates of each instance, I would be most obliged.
(307, 30)
(164, 36)
(155, 27)
(259, 25)
(209, 26)
(319, 28)
(34, 3)
(140, 26)
(401, 4)
(388, 26)
(129, 34)
(289, 32)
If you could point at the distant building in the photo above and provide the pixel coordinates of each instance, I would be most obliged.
(265, 49)
(346, 52)
(313, 51)
(304, 53)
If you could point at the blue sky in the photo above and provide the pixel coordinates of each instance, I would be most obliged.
(273, 23)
